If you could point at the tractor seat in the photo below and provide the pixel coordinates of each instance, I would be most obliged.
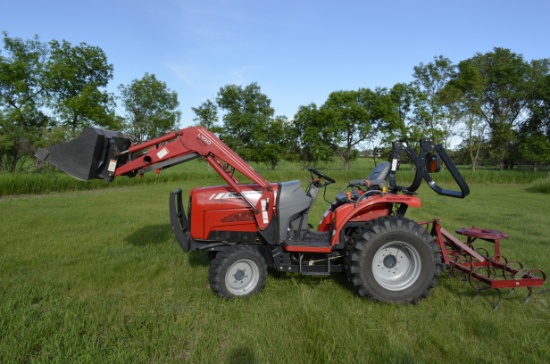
(380, 172)
(378, 176)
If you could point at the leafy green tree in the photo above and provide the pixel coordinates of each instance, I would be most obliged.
(495, 87)
(76, 76)
(249, 127)
(474, 138)
(273, 141)
(534, 132)
(535, 147)
(430, 79)
(246, 112)
(207, 115)
(22, 94)
(401, 122)
(151, 108)
(539, 98)
(351, 117)
(311, 136)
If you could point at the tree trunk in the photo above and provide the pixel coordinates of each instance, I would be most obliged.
(346, 164)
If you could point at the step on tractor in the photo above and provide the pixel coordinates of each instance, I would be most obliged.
(246, 228)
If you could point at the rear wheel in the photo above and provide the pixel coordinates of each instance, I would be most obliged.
(392, 259)
(239, 271)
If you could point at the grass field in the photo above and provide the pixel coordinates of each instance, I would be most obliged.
(96, 276)
(197, 171)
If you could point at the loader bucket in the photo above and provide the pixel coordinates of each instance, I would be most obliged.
(88, 156)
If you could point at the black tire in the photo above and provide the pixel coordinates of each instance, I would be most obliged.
(392, 259)
(239, 271)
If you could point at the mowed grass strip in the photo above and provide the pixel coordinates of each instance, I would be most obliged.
(96, 276)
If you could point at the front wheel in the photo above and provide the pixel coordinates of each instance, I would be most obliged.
(239, 271)
(392, 259)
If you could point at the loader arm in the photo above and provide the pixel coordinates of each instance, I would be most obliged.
(189, 143)
(163, 152)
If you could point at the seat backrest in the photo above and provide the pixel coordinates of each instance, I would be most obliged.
(381, 171)
(292, 208)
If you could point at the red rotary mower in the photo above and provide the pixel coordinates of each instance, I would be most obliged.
(247, 227)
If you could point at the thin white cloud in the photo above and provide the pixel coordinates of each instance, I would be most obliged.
(239, 75)
(189, 74)
(207, 23)
(196, 76)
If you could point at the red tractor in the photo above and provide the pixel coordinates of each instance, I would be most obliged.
(247, 227)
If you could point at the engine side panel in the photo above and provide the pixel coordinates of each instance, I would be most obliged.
(215, 212)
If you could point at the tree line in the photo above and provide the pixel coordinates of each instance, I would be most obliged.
(496, 103)
(50, 91)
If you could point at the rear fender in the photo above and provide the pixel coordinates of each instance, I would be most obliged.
(367, 210)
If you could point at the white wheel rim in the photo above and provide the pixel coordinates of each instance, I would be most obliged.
(396, 266)
(242, 277)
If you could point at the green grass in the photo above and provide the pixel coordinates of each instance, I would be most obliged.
(542, 186)
(48, 182)
(96, 276)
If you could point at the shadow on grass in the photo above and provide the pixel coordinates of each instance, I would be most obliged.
(241, 355)
(198, 259)
(150, 234)
(458, 286)
(311, 281)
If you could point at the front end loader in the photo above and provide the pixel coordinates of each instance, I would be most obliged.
(247, 227)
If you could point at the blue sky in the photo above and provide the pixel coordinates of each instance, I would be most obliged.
(297, 51)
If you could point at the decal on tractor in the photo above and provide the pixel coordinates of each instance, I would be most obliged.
(162, 153)
(252, 195)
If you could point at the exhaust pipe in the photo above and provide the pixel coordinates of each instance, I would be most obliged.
(95, 153)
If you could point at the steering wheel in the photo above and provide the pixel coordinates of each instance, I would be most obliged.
(320, 175)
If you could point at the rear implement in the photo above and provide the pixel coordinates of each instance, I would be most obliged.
(482, 269)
